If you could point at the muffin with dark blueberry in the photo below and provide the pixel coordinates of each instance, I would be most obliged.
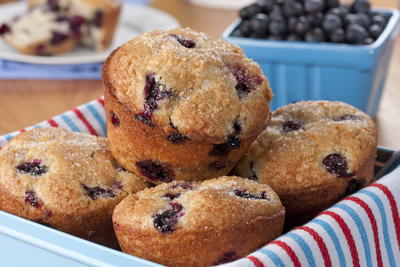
(312, 154)
(198, 224)
(38, 32)
(68, 181)
(51, 27)
(181, 105)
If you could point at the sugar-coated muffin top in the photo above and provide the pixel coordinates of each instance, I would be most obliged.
(307, 143)
(189, 206)
(205, 88)
(64, 171)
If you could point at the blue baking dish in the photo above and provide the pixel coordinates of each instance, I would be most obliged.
(27, 243)
(297, 71)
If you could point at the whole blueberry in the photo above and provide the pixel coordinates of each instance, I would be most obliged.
(294, 37)
(344, 9)
(259, 23)
(249, 11)
(292, 21)
(315, 19)
(315, 35)
(276, 14)
(277, 27)
(368, 41)
(356, 34)
(337, 36)
(237, 33)
(258, 36)
(375, 31)
(332, 3)
(379, 20)
(292, 8)
(331, 22)
(364, 20)
(267, 5)
(301, 26)
(336, 11)
(245, 28)
(361, 6)
(276, 37)
(352, 19)
(314, 6)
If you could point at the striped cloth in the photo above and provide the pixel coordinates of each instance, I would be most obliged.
(361, 230)
(88, 118)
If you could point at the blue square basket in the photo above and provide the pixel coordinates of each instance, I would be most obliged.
(297, 71)
(27, 243)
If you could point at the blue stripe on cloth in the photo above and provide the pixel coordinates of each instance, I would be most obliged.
(8, 137)
(361, 229)
(334, 238)
(272, 255)
(70, 123)
(306, 248)
(382, 212)
(97, 116)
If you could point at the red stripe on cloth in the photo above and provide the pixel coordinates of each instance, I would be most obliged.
(52, 123)
(288, 250)
(256, 261)
(372, 220)
(321, 244)
(22, 130)
(393, 206)
(347, 235)
(85, 121)
(101, 101)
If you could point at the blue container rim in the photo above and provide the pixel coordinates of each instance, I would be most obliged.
(65, 245)
(390, 27)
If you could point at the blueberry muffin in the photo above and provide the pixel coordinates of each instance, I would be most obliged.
(51, 27)
(312, 154)
(68, 181)
(198, 224)
(92, 21)
(180, 104)
(38, 32)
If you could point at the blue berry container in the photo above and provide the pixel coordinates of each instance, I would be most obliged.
(297, 71)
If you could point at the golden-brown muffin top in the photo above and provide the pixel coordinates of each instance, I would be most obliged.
(205, 88)
(67, 172)
(307, 143)
(189, 206)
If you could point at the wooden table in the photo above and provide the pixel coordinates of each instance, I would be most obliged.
(26, 102)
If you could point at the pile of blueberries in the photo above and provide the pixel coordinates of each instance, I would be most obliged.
(311, 21)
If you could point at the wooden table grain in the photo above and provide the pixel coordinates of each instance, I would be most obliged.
(26, 102)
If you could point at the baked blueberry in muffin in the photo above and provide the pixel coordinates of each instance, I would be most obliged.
(68, 181)
(182, 105)
(198, 224)
(312, 154)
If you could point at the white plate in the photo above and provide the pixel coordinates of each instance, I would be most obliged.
(134, 20)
